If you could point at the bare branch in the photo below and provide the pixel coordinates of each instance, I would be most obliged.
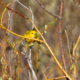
(67, 42)
(10, 25)
(30, 65)
(60, 35)
(28, 58)
(47, 11)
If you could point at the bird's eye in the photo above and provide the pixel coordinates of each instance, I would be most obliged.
(32, 33)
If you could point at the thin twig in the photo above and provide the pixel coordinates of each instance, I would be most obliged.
(58, 78)
(48, 11)
(75, 72)
(30, 65)
(49, 25)
(67, 41)
(69, 51)
(77, 42)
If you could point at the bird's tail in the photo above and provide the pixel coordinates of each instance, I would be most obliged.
(15, 43)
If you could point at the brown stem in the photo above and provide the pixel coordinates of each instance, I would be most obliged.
(60, 34)
(14, 11)
(48, 11)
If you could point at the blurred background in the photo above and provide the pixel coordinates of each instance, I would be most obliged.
(70, 23)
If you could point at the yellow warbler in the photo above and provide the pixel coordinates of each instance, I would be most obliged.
(29, 34)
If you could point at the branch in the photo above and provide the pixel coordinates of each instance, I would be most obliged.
(75, 71)
(28, 58)
(48, 11)
(10, 26)
(68, 43)
(31, 67)
(60, 35)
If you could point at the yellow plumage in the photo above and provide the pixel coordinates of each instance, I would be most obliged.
(29, 34)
